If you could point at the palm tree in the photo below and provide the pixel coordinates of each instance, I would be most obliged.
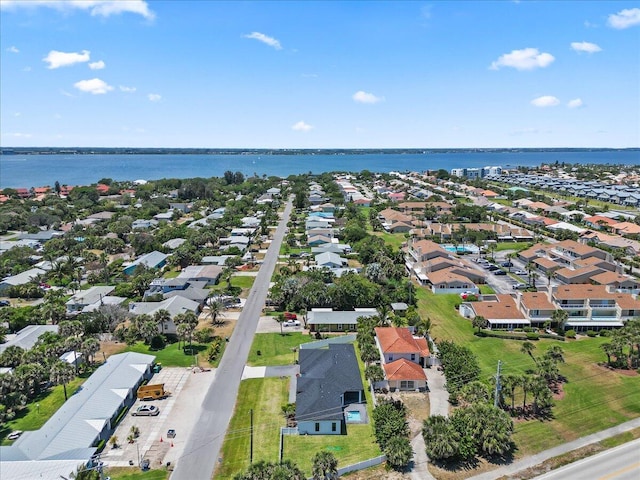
(528, 348)
(216, 309)
(509, 383)
(510, 257)
(148, 330)
(90, 347)
(609, 349)
(527, 385)
(398, 452)
(61, 373)
(162, 317)
(325, 466)
(423, 326)
(190, 319)
(555, 353)
(560, 317)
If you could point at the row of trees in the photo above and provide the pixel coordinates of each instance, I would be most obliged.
(392, 433)
(325, 467)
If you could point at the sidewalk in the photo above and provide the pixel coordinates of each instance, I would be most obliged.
(538, 458)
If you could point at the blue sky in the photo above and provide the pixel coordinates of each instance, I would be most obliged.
(334, 74)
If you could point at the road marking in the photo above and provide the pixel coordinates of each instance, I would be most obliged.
(622, 470)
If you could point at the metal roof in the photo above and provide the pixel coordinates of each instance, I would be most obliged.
(28, 336)
(72, 430)
(320, 317)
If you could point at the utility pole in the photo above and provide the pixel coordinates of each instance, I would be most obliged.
(496, 395)
(251, 444)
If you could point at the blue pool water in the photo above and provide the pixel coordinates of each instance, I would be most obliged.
(353, 416)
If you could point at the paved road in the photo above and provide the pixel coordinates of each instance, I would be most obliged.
(202, 451)
(539, 458)
(620, 463)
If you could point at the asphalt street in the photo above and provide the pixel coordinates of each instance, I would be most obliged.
(202, 450)
(620, 463)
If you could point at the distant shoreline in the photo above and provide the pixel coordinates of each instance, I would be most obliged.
(285, 151)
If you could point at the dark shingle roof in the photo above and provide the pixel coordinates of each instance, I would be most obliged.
(325, 375)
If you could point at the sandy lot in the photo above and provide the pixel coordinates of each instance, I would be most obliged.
(179, 412)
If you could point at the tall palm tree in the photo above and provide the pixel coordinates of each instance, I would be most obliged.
(509, 383)
(527, 348)
(61, 373)
(90, 346)
(162, 317)
(556, 353)
(527, 385)
(216, 308)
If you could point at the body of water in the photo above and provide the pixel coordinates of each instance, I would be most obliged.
(40, 170)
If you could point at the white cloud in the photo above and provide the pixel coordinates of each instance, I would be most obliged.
(575, 103)
(585, 47)
(17, 114)
(99, 65)
(57, 59)
(103, 8)
(154, 97)
(545, 101)
(13, 49)
(364, 97)
(301, 127)
(624, 18)
(525, 59)
(94, 86)
(261, 37)
(127, 89)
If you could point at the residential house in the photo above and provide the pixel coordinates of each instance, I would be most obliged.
(144, 224)
(84, 298)
(27, 337)
(395, 343)
(328, 389)
(330, 260)
(207, 274)
(153, 259)
(23, 278)
(617, 282)
(174, 305)
(501, 311)
(329, 320)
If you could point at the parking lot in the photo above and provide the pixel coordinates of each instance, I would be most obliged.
(179, 412)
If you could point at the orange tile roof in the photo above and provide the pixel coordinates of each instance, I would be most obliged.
(427, 246)
(610, 278)
(627, 227)
(446, 275)
(597, 219)
(577, 272)
(537, 301)
(546, 263)
(581, 292)
(403, 369)
(504, 308)
(399, 340)
(573, 246)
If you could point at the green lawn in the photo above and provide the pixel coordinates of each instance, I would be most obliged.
(171, 355)
(33, 417)
(265, 396)
(486, 289)
(129, 473)
(275, 349)
(242, 281)
(517, 246)
(395, 240)
(595, 398)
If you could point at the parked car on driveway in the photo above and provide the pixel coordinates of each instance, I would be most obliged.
(290, 316)
(146, 410)
(5, 303)
(291, 323)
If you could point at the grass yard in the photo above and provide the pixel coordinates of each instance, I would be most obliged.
(395, 240)
(516, 246)
(595, 398)
(33, 417)
(243, 281)
(275, 349)
(266, 397)
(171, 355)
(486, 290)
(128, 473)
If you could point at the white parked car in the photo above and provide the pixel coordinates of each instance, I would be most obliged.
(291, 323)
(146, 410)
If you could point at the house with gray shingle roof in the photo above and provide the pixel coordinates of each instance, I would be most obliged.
(328, 388)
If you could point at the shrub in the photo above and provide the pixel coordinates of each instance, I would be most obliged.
(532, 336)
(605, 333)
(570, 334)
(592, 333)
(215, 348)
(529, 329)
(157, 343)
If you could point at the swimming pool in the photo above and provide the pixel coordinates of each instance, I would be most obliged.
(461, 248)
(353, 416)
